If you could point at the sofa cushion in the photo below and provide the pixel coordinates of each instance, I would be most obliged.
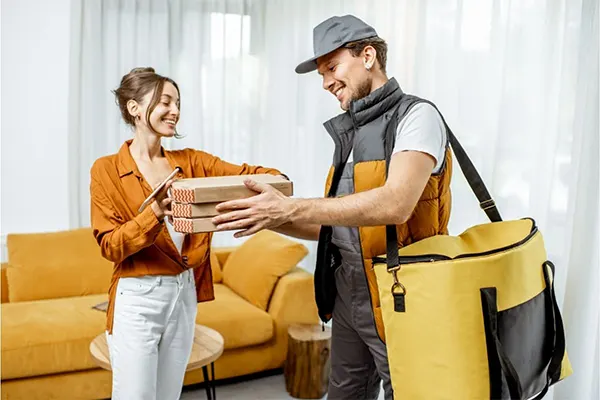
(215, 266)
(55, 264)
(252, 270)
(49, 336)
(239, 322)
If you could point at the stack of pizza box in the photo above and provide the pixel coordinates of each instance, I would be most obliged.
(195, 199)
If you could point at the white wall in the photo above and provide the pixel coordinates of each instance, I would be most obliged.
(35, 73)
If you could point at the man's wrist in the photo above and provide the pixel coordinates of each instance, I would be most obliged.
(300, 210)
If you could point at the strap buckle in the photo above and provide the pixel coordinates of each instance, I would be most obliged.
(487, 204)
(397, 284)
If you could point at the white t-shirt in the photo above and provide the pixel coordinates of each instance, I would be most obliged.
(421, 129)
(177, 237)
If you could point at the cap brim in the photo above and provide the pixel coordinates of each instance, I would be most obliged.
(307, 66)
(311, 64)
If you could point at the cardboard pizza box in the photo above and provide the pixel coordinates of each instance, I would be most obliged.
(223, 188)
(193, 225)
(189, 210)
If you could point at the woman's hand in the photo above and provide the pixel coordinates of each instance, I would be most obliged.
(162, 202)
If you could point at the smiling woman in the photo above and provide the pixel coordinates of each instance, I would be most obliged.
(160, 93)
(159, 274)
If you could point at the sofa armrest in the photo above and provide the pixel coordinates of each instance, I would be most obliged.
(4, 283)
(223, 253)
(293, 299)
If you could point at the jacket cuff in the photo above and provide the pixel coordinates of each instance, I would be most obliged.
(147, 220)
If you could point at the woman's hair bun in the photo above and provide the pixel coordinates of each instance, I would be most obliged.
(141, 70)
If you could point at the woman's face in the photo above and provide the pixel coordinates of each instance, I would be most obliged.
(165, 115)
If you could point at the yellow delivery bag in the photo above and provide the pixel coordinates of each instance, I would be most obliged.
(472, 316)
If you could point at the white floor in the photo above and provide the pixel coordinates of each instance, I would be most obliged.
(266, 388)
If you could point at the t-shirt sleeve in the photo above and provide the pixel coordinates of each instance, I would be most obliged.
(422, 129)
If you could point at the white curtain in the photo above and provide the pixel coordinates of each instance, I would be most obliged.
(516, 80)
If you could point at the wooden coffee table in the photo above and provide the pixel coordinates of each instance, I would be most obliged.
(207, 348)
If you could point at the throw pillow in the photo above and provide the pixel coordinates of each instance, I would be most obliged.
(252, 270)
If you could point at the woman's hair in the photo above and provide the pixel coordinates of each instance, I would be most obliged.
(134, 86)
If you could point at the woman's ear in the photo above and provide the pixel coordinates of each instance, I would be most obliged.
(133, 108)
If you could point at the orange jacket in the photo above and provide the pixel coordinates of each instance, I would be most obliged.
(138, 243)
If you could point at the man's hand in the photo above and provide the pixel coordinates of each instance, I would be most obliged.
(267, 210)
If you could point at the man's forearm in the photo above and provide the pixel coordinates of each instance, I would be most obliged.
(300, 230)
(370, 208)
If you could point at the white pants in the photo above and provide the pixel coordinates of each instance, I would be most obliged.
(153, 332)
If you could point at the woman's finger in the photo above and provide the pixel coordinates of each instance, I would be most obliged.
(165, 204)
(164, 191)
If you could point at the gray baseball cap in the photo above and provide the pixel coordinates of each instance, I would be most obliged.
(332, 34)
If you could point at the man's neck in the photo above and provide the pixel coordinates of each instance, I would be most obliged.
(379, 79)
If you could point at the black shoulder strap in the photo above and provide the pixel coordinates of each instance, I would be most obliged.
(470, 172)
(466, 165)
(335, 180)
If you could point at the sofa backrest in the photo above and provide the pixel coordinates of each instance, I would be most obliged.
(55, 264)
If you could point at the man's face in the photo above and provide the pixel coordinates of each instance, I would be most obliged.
(344, 76)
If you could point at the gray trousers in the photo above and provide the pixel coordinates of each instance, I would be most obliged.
(358, 356)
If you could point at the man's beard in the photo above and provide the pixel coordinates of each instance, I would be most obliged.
(363, 90)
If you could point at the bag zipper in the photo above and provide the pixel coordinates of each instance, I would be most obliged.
(440, 257)
(416, 259)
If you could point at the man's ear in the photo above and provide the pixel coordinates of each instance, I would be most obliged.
(369, 57)
(134, 108)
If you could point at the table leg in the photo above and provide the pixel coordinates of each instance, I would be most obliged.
(214, 387)
(207, 382)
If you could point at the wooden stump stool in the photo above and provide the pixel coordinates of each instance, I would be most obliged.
(307, 365)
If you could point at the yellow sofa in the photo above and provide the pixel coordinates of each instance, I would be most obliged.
(52, 280)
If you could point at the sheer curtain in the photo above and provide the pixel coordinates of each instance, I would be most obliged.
(516, 80)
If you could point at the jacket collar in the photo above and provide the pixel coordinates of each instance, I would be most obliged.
(368, 108)
(126, 164)
(376, 103)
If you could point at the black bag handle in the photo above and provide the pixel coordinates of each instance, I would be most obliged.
(466, 165)
(555, 364)
(499, 363)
